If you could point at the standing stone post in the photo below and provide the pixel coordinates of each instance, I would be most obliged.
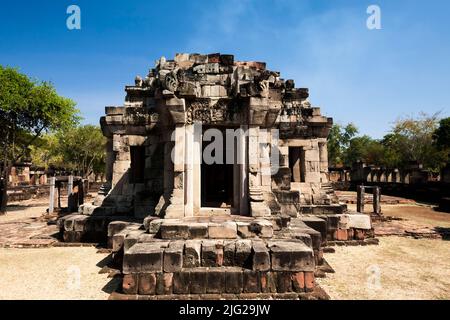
(51, 205)
(376, 200)
(360, 199)
(70, 204)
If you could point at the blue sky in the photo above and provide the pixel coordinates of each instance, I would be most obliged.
(369, 77)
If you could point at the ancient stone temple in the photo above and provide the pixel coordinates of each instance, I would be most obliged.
(218, 183)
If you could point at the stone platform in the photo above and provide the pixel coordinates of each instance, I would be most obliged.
(226, 254)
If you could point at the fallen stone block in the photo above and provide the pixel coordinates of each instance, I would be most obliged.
(154, 225)
(262, 228)
(212, 253)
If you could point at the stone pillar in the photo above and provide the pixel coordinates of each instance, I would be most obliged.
(51, 204)
(176, 197)
(257, 206)
(323, 158)
(70, 204)
(360, 199)
(376, 200)
(243, 170)
(109, 159)
(189, 171)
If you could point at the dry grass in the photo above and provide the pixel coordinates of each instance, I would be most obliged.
(407, 269)
(51, 273)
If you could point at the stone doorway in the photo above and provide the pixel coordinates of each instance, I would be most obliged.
(217, 181)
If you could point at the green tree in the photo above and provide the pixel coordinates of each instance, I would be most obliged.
(441, 135)
(338, 141)
(28, 109)
(412, 140)
(79, 149)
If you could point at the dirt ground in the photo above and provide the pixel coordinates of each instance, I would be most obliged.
(398, 268)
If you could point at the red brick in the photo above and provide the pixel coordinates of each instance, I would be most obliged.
(309, 280)
(298, 281)
(130, 283)
(147, 283)
(341, 235)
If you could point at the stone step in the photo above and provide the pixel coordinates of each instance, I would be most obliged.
(211, 228)
(214, 280)
(157, 255)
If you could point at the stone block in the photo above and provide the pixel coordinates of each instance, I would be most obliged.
(143, 257)
(243, 252)
(174, 230)
(261, 256)
(173, 257)
(147, 283)
(243, 230)
(147, 222)
(291, 256)
(234, 280)
(181, 282)
(212, 253)
(262, 227)
(115, 227)
(192, 253)
(284, 282)
(154, 225)
(252, 283)
(225, 230)
(198, 280)
(229, 249)
(268, 282)
(198, 230)
(130, 284)
(215, 279)
(357, 221)
(117, 241)
(164, 283)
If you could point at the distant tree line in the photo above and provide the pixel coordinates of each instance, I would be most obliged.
(39, 125)
(423, 139)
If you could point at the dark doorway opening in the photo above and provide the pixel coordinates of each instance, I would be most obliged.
(297, 164)
(216, 181)
(137, 167)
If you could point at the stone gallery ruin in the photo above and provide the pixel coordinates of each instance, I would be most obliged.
(254, 222)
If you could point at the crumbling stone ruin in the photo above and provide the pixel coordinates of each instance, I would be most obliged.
(178, 225)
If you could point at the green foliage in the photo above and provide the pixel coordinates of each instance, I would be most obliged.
(29, 108)
(411, 140)
(80, 149)
(441, 135)
(338, 141)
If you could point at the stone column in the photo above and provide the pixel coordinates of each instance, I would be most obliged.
(51, 205)
(257, 206)
(109, 159)
(376, 200)
(188, 171)
(243, 169)
(360, 199)
(176, 197)
(323, 156)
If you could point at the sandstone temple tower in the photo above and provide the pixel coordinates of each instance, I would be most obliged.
(217, 185)
(169, 111)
